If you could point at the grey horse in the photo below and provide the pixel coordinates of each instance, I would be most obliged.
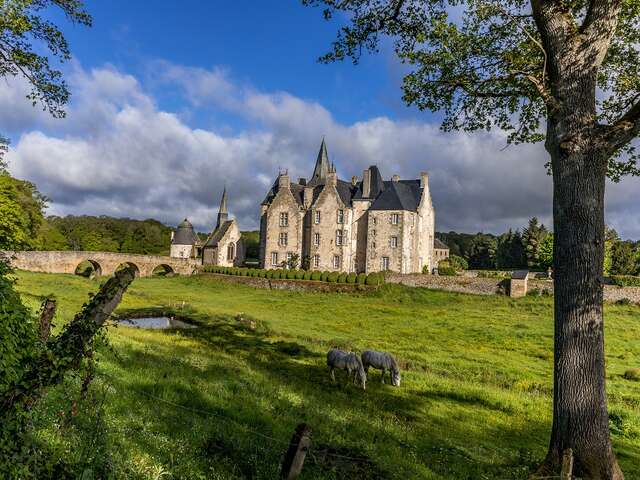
(348, 361)
(382, 361)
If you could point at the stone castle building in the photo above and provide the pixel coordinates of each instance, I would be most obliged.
(223, 247)
(365, 225)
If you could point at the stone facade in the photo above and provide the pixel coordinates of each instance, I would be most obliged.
(365, 225)
(224, 247)
(184, 242)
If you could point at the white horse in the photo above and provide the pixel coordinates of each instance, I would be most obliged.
(382, 361)
(348, 361)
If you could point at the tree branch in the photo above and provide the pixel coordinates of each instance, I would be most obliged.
(621, 132)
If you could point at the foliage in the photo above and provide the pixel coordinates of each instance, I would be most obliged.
(446, 270)
(24, 21)
(21, 207)
(625, 280)
(107, 234)
(510, 252)
(251, 240)
(475, 370)
(545, 252)
(532, 238)
(458, 263)
(623, 258)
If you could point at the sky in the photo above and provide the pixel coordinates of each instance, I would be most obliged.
(171, 104)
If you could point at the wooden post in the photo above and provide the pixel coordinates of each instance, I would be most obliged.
(294, 458)
(567, 465)
(47, 312)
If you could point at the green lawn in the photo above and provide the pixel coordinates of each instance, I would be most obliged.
(222, 401)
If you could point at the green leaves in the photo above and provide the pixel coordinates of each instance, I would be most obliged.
(21, 25)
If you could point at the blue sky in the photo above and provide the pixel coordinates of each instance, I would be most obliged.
(171, 103)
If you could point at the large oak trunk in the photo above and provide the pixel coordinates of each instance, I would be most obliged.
(580, 418)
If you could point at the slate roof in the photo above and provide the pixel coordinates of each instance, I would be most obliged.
(218, 234)
(437, 243)
(386, 195)
(400, 195)
(185, 235)
(520, 274)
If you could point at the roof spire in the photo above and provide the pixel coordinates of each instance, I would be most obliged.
(223, 213)
(322, 164)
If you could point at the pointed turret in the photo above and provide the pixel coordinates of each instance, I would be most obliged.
(322, 165)
(223, 213)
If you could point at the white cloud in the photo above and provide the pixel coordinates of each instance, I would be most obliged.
(118, 153)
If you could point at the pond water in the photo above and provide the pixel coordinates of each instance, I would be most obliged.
(159, 323)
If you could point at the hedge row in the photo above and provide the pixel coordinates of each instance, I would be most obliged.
(316, 275)
(625, 280)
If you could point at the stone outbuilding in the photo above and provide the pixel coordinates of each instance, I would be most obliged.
(185, 242)
(518, 285)
(440, 251)
(224, 247)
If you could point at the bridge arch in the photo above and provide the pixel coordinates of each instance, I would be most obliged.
(135, 267)
(163, 270)
(88, 268)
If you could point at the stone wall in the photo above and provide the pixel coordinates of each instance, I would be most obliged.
(492, 286)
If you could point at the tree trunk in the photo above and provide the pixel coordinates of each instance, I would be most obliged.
(580, 418)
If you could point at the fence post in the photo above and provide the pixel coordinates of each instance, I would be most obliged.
(567, 465)
(294, 458)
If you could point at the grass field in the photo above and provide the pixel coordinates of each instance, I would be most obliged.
(222, 401)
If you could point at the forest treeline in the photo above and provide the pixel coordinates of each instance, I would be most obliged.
(532, 248)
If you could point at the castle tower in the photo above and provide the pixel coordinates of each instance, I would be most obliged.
(322, 167)
(223, 213)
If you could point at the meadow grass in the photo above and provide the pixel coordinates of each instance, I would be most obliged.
(222, 401)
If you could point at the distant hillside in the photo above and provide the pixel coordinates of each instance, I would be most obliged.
(105, 234)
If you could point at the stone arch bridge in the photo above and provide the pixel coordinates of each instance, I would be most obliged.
(104, 263)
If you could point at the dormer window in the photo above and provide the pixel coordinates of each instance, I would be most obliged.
(340, 216)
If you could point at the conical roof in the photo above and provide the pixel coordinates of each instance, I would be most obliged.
(322, 165)
(185, 235)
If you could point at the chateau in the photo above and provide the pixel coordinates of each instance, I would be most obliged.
(365, 225)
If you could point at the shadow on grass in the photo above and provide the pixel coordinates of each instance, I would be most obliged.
(258, 391)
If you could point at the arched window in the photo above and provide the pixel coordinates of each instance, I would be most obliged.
(231, 251)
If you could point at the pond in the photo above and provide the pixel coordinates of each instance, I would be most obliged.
(158, 323)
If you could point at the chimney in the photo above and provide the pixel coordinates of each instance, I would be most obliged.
(332, 178)
(283, 181)
(424, 180)
(366, 183)
(354, 180)
(395, 178)
(308, 196)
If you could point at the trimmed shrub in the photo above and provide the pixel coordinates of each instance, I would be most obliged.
(362, 279)
(300, 274)
(308, 274)
(446, 271)
(316, 275)
(352, 278)
(625, 280)
(373, 279)
(425, 270)
(333, 277)
(342, 278)
(324, 276)
(269, 274)
(291, 274)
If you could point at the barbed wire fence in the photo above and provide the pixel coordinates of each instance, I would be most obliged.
(299, 446)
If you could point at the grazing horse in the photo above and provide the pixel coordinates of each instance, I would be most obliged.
(382, 361)
(348, 361)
